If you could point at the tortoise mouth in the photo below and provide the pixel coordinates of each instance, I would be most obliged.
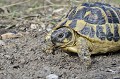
(61, 36)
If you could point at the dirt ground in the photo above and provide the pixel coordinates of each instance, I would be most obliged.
(26, 58)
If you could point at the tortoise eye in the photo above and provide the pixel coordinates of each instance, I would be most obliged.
(61, 35)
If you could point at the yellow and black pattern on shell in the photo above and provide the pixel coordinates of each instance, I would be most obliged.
(95, 21)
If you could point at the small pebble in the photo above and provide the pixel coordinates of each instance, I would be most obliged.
(49, 27)
(110, 70)
(52, 76)
(2, 43)
(40, 30)
(42, 25)
(116, 78)
(33, 26)
(7, 56)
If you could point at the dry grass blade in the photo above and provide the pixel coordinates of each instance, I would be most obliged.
(5, 8)
(15, 4)
(50, 2)
(40, 7)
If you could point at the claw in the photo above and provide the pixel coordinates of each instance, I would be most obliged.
(48, 44)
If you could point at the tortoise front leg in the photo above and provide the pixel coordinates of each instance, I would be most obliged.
(83, 51)
(81, 48)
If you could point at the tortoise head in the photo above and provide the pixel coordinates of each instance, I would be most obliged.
(61, 36)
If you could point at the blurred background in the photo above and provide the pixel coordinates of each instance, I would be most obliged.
(44, 10)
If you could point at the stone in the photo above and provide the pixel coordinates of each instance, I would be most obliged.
(52, 76)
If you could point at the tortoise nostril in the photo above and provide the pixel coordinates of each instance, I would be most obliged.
(61, 35)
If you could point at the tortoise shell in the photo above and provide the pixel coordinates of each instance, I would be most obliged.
(94, 21)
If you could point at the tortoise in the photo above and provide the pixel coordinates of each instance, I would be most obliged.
(87, 29)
